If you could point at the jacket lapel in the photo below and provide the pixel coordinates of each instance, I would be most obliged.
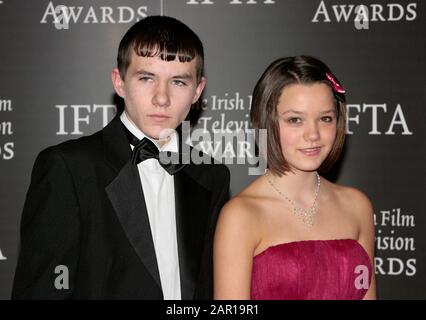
(127, 198)
(192, 202)
(192, 208)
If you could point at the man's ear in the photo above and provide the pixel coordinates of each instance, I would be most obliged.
(117, 82)
(199, 89)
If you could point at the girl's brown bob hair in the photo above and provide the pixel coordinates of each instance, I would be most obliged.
(281, 73)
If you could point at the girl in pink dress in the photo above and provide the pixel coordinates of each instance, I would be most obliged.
(292, 234)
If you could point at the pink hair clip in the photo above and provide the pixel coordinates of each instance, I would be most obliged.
(337, 87)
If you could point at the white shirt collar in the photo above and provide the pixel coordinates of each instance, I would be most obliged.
(159, 194)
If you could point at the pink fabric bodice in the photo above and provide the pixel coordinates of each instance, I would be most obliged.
(312, 269)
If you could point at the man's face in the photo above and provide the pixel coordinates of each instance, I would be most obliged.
(158, 94)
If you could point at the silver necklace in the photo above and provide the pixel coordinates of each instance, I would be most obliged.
(307, 215)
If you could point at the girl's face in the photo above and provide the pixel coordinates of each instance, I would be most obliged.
(307, 123)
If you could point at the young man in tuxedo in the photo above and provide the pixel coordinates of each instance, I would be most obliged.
(117, 223)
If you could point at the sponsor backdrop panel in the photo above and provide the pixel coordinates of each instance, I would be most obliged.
(55, 63)
(55, 85)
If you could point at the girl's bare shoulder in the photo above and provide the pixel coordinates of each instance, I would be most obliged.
(351, 199)
(245, 208)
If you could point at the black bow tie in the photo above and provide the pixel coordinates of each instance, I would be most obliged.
(145, 149)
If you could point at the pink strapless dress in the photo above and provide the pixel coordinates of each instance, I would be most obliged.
(313, 269)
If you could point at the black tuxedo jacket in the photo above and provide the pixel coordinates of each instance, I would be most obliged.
(85, 210)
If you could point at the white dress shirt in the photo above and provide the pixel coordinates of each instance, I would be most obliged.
(159, 192)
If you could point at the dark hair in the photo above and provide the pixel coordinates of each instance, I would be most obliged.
(281, 73)
(164, 37)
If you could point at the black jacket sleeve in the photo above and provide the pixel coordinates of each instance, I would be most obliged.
(50, 227)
